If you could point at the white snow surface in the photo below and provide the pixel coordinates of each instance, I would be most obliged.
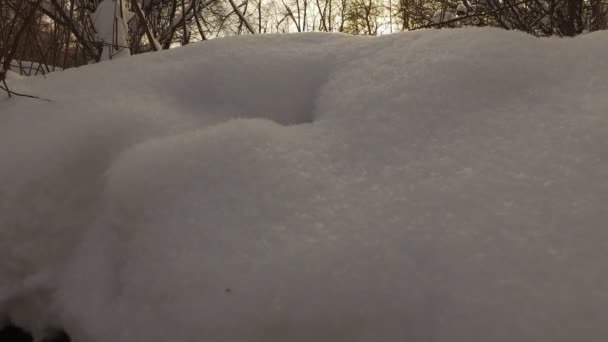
(111, 24)
(442, 185)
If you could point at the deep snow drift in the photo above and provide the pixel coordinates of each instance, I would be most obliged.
(429, 186)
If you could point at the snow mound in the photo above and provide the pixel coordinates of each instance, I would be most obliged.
(445, 185)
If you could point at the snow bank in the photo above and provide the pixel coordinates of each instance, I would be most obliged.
(430, 186)
(29, 68)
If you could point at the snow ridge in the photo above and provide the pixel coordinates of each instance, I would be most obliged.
(445, 185)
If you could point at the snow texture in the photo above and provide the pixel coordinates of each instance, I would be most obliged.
(444, 185)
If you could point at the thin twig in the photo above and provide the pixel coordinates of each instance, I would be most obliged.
(476, 15)
(2, 77)
(10, 92)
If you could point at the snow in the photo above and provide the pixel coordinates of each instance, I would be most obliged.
(29, 68)
(443, 15)
(10, 75)
(442, 185)
(461, 9)
(110, 22)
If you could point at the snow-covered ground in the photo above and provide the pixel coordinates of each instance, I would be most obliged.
(444, 186)
(28, 68)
